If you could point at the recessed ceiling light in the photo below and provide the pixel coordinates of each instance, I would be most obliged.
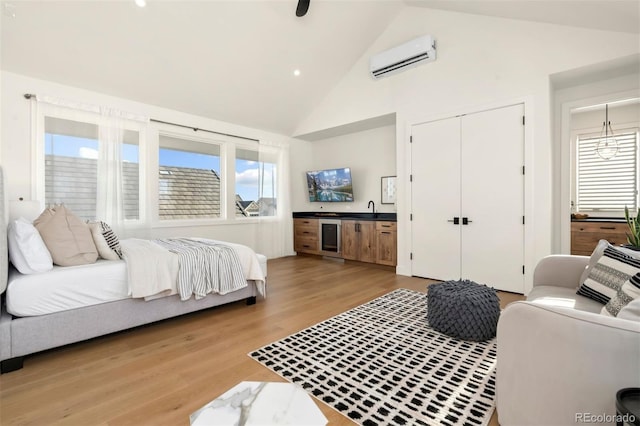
(296, 72)
(141, 3)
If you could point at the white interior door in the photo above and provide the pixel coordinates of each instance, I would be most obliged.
(492, 197)
(435, 199)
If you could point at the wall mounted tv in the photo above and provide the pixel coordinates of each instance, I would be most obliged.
(333, 185)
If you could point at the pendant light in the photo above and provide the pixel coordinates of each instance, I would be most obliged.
(607, 147)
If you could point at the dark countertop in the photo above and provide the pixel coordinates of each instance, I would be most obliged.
(600, 219)
(387, 217)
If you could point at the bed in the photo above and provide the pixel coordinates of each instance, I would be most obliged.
(74, 303)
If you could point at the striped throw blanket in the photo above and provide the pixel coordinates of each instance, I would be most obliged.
(205, 267)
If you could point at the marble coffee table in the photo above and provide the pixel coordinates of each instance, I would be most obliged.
(260, 403)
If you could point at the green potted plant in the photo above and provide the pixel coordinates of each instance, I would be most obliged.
(633, 236)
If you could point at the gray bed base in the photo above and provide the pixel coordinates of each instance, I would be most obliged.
(23, 336)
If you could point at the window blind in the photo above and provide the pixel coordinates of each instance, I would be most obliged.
(607, 185)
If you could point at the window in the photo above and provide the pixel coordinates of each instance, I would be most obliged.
(607, 185)
(255, 183)
(71, 165)
(190, 183)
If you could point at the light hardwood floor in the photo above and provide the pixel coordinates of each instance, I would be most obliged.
(161, 373)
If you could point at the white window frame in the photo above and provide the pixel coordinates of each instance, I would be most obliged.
(65, 113)
(225, 145)
(262, 150)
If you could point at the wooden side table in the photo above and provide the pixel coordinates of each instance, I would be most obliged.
(628, 407)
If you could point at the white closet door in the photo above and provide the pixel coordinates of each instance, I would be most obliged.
(435, 199)
(492, 197)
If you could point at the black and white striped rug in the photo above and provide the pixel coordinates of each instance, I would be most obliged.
(380, 364)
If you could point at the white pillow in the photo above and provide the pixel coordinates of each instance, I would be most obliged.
(27, 250)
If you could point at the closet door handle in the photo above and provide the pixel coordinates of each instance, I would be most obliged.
(455, 220)
(466, 221)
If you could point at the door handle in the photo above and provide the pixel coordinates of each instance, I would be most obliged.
(466, 221)
(455, 220)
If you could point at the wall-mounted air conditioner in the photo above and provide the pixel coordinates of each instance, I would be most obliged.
(407, 55)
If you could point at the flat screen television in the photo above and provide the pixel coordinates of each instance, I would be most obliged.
(332, 185)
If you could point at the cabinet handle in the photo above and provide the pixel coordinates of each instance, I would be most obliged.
(383, 232)
(607, 227)
(386, 226)
(306, 246)
(305, 232)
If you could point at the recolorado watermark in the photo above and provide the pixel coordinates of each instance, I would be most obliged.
(604, 418)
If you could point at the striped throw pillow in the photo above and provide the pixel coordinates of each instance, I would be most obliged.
(111, 238)
(610, 271)
(106, 240)
(629, 292)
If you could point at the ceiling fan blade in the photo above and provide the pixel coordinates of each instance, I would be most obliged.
(303, 7)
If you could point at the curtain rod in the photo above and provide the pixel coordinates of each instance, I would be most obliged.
(195, 129)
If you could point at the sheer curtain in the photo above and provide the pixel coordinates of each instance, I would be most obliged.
(275, 231)
(110, 188)
(99, 132)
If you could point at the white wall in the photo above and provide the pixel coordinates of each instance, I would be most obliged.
(481, 61)
(370, 154)
(16, 148)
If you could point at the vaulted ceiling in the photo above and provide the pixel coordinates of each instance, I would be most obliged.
(234, 60)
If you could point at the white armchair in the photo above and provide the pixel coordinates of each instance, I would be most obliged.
(559, 360)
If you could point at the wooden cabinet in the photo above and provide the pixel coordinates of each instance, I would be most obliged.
(386, 243)
(585, 235)
(305, 236)
(359, 240)
(362, 240)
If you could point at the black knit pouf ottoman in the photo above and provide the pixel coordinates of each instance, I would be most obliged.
(463, 309)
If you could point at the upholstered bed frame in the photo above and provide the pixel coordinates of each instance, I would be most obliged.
(21, 336)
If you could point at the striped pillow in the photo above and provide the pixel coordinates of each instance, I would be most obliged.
(106, 240)
(610, 271)
(629, 292)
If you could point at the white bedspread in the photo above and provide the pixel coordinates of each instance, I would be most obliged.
(153, 270)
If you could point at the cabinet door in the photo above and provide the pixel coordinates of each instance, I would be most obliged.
(349, 240)
(435, 199)
(367, 241)
(386, 246)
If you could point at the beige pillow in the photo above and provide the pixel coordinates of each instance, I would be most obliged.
(67, 237)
